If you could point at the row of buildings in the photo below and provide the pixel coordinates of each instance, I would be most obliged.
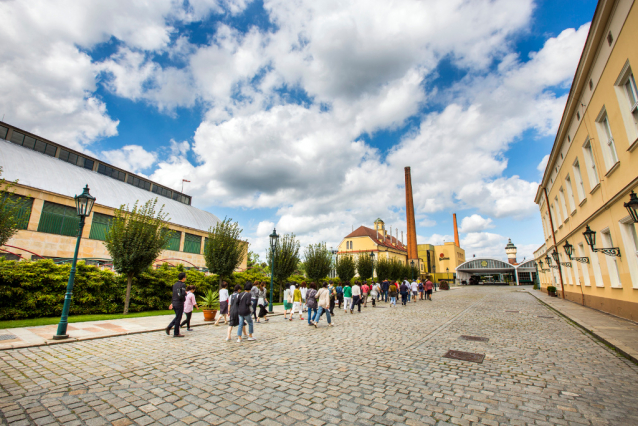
(50, 175)
(590, 250)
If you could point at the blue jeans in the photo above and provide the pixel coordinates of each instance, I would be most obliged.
(310, 316)
(393, 301)
(320, 312)
(385, 295)
(242, 320)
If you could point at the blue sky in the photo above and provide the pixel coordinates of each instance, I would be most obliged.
(303, 116)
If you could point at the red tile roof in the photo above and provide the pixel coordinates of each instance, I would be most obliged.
(390, 241)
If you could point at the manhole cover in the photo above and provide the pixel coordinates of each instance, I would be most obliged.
(7, 337)
(541, 316)
(475, 338)
(465, 356)
(515, 312)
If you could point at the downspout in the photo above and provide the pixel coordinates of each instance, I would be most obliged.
(551, 225)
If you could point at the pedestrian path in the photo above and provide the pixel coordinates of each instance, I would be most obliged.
(24, 337)
(620, 333)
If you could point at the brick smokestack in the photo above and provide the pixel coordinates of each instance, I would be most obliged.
(456, 233)
(409, 213)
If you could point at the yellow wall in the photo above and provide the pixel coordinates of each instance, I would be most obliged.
(602, 206)
(453, 256)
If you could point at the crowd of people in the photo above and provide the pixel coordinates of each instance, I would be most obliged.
(250, 301)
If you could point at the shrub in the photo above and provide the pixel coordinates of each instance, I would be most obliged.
(443, 285)
(551, 289)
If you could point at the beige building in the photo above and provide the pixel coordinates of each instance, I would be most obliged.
(364, 240)
(50, 175)
(592, 170)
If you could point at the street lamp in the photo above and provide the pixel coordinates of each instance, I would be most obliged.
(274, 239)
(569, 251)
(632, 206)
(590, 238)
(447, 272)
(83, 204)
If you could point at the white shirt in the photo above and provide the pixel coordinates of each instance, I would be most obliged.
(356, 290)
(223, 295)
(415, 286)
(303, 292)
(286, 295)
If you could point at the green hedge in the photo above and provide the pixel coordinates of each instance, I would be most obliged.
(37, 289)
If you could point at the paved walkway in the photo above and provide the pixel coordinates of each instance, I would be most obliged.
(13, 338)
(620, 333)
(385, 366)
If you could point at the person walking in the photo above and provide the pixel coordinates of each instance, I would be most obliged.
(356, 297)
(304, 291)
(233, 311)
(407, 283)
(296, 303)
(347, 296)
(385, 287)
(421, 289)
(392, 291)
(189, 304)
(428, 289)
(223, 303)
(323, 296)
(244, 309)
(262, 302)
(415, 290)
(254, 298)
(374, 293)
(404, 289)
(365, 290)
(333, 296)
(339, 291)
(177, 305)
(287, 301)
(311, 302)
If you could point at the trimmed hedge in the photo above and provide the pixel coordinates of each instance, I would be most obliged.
(37, 289)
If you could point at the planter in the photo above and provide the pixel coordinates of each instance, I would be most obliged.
(210, 314)
(552, 293)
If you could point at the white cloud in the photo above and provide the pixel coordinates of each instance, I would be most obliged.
(475, 223)
(131, 157)
(484, 244)
(543, 164)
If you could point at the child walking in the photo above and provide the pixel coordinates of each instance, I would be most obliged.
(223, 303)
(189, 303)
(296, 303)
(287, 302)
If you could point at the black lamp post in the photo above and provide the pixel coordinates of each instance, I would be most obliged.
(447, 272)
(274, 240)
(569, 251)
(632, 206)
(590, 237)
(83, 204)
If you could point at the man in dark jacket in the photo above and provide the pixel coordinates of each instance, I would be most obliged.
(179, 296)
(385, 286)
(244, 310)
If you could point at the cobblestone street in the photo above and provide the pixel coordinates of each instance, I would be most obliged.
(384, 366)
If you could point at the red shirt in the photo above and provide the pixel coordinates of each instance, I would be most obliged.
(365, 288)
(428, 285)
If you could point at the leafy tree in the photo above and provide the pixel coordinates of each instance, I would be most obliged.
(9, 206)
(286, 259)
(224, 251)
(365, 266)
(384, 269)
(135, 239)
(345, 267)
(252, 259)
(396, 270)
(318, 261)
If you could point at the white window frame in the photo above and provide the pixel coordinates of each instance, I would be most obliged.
(625, 87)
(595, 264)
(553, 215)
(612, 261)
(580, 185)
(570, 194)
(606, 137)
(563, 203)
(590, 161)
(576, 274)
(629, 235)
(581, 253)
(557, 208)
(566, 271)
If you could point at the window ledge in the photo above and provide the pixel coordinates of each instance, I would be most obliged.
(560, 226)
(566, 219)
(616, 287)
(633, 145)
(595, 188)
(583, 202)
(613, 169)
(574, 212)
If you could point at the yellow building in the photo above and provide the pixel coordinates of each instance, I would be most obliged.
(426, 259)
(378, 241)
(447, 257)
(592, 170)
(50, 175)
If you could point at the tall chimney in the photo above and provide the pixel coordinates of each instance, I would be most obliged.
(409, 213)
(456, 233)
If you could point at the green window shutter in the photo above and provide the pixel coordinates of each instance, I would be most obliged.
(174, 240)
(205, 243)
(100, 226)
(59, 219)
(192, 244)
(23, 209)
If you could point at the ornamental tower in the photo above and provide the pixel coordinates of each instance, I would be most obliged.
(510, 249)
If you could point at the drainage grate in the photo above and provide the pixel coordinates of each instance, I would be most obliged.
(465, 356)
(7, 337)
(475, 338)
(541, 316)
(516, 312)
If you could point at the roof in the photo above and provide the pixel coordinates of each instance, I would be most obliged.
(39, 171)
(389, 241)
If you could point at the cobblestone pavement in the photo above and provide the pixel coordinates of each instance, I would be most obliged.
(383, 367)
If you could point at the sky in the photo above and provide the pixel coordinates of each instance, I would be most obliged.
(302, 115)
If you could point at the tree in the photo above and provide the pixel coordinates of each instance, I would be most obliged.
(286, 259)
(252, 259)
(396, 270)
(9, 208)
(318, 261)
(384, 269)
(365, 266)
(135, 239)
(345, 268)
(224, 251)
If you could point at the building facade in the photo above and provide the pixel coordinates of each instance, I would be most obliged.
(49, 176)
(592, 170)
(364, 240)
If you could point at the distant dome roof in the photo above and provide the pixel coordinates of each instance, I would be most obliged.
(510, 245)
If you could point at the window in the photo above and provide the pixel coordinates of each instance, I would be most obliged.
(59, 219)
(140, 183)
(23, 208)
(581, 253)
(561, 193)
(612, 261)
(192, 244)
(591, 164)
(111, 172)
(75, 159)
(3, 132)
(627, 94)
(632, 94)
(553, 214)
(606, 140)
(630, 240)
(566, 271)
(580, 187)
(575, 268)
(34, 144)
(558, 216)
(174, 241)
(595, 264)
(162, 191)
(570, 193)
(100, 226)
